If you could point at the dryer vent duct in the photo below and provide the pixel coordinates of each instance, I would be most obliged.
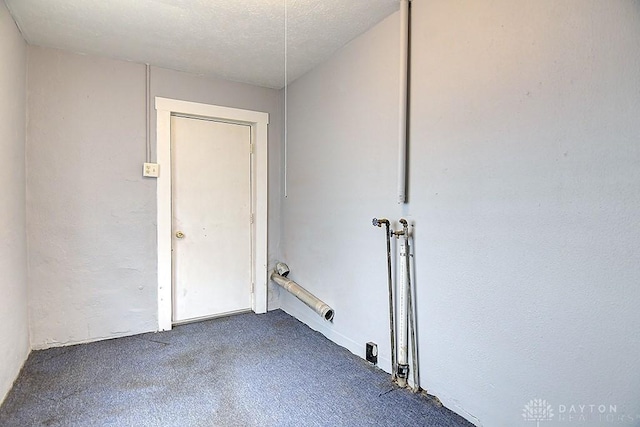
(279, 276)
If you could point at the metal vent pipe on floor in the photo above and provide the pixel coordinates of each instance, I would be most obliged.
(279, 276)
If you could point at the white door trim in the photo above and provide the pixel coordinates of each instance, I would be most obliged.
(259, 122)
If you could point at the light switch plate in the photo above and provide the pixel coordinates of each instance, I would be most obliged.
(150, 170)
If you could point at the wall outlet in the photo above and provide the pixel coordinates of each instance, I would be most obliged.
(372, 352)
(150, 169)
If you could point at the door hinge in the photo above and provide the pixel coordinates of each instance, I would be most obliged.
(253, 285)
(251, 219)
(252, 148)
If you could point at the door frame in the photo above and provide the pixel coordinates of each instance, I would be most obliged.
(258, 121)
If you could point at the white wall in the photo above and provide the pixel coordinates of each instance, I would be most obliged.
(91, 214)
(341, 155)
(523, 190)
(14, 323)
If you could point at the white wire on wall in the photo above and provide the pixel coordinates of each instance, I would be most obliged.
(286, 84)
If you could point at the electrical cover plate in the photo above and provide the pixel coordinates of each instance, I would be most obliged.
(372, 352)
(150, 170)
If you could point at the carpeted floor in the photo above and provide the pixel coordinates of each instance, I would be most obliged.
(245, 370)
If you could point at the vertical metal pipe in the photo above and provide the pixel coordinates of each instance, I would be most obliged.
(403, 346)
(404, 85)
(147, 95)
(410, 310)
(392, 330)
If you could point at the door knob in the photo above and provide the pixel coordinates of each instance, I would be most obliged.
(179, 234)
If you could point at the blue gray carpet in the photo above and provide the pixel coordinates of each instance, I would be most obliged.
(245, 370)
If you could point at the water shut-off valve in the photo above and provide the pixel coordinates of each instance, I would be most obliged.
(379, 222)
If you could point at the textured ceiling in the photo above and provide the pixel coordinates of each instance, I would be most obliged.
(241, 40)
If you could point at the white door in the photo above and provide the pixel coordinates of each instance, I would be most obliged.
(211, 206)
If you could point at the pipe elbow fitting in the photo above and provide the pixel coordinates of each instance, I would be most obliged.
(282, 269)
